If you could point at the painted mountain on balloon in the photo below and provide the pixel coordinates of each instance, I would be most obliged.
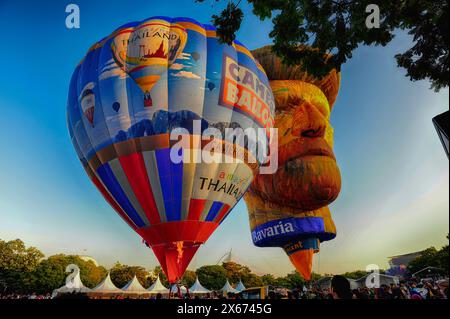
(162, 122)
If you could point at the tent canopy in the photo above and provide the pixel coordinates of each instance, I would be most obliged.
(240, 286)
(197, 288)
(134, 287)
(74, 285)
(106, 286)
(158, 287)
(174, 289)
(227, 288)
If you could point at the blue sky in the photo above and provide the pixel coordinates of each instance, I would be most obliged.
(394, 197)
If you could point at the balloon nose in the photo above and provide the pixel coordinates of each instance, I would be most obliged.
(308, 121)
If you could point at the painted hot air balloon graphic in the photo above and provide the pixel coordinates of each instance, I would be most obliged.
(87, 101)
(144, 52)
(211, 86)
(116, 106)
(173, 205)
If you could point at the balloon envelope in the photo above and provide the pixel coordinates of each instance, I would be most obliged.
(173, 205)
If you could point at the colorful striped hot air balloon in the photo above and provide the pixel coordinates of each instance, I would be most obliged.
(173, 206)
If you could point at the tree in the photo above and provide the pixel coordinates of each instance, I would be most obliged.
(321, 35)
(268, 279)
(430, 257)
(15, 256)
(355, 274)
(212, 277)
(188, 278)
(251, 280)
(16, 263)
(122, 274)
(442, 257)
(235, 271)
(51, 273)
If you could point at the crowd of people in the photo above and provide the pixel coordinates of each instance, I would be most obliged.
(339, 289)
(405, 289)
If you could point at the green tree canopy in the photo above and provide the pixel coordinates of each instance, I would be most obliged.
(188, 278)
(212, 277)
(235, 271)
(122, 274)
(51, 272)
(335, 28)
(431, 257)
(15, 256)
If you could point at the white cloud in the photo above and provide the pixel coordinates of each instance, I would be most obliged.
(186, 74)
(184, 56)
(177, 66)
(116, 72)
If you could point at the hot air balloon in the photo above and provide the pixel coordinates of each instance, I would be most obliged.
(211, 86)
(173, 205)
(87, 101)
(289, 209)
(116, 106)
(195, 56)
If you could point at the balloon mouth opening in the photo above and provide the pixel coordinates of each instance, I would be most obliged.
(301, 255)
(174, 258)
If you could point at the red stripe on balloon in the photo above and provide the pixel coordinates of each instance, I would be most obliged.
(134, 168)
(112, 202)
(222, 213)
(196, 208)
(168, 232)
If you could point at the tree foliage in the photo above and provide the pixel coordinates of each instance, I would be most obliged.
(212, 276)
(122, 274)
(431, 257)
(321, 35)
(24, 270)
(188, 278)
(15, 256)
(51, 272)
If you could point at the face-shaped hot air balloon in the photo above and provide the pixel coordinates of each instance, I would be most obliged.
(126, 151)
(289, 209)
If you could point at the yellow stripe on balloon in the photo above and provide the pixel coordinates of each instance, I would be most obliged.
(147, 82)
(193, 27)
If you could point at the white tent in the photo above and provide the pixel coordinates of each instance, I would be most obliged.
(197, 288)
(227, 288)
(240, 286)
(158, 287)
(134, 287)
(106, 286)
(73, 285)
(174, 289)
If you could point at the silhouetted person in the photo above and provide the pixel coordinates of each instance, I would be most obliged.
(340, 287)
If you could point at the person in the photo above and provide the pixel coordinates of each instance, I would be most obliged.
(340, 288)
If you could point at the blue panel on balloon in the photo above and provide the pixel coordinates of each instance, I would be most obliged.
(109, 180)
(215, 208)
